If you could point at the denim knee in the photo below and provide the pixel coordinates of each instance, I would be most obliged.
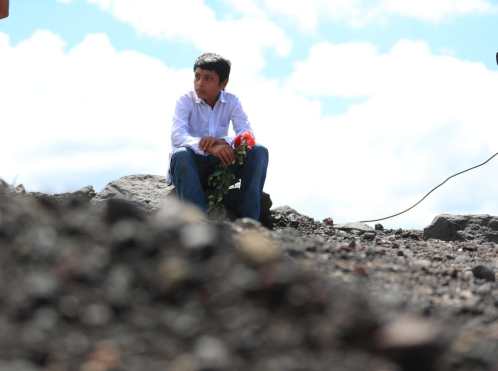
(182, 161)
(259, 152)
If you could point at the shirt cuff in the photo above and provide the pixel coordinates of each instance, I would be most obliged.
(228, 139)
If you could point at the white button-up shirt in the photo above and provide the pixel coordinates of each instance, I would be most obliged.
(194, 119)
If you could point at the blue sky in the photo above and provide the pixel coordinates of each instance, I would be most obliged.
(364, 105)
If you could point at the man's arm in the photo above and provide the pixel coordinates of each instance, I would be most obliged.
(180, 136)
(240, 121)
(4, 8)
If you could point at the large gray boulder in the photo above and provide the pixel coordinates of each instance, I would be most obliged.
(148, 192)
(82, 195)
(4, 186)
(449, 227)
(145, 190)
(7, 188)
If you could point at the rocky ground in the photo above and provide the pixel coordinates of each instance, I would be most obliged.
(130, 279)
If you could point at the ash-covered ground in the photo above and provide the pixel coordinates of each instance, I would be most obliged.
(109, 286)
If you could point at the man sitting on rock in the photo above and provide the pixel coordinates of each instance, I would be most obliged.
(200, 139)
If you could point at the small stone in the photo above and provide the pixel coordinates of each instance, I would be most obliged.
(360, 270)
(106, 356)
(75, 344)
(379, 227)
(45, 319)
(118, 285)
(467, 275)
(96, 315)
(470, 247)
(20, 189)
(351, 227)
(69, 306)
(197, 235)
(42, 286)
(185, 362)
(328, 221)
(212, 353)
(173, 271)
(173, 213)
(484, 289)
(369, 236)
(409, 338)
(422, 264)
(257, 248)
(484, 273)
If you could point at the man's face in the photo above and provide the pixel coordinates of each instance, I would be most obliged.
(207, 84)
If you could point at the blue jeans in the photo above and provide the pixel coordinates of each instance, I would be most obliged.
(190, 172)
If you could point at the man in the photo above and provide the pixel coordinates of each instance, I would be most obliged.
(200, 139)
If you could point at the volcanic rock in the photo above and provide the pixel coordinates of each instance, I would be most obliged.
(447, 227)
(148, 192)
(155, 291)
(117, 284)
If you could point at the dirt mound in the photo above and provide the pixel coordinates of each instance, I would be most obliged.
(113, 287)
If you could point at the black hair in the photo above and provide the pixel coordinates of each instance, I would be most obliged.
(214, 62)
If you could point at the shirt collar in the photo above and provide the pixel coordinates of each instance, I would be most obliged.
(222, 98)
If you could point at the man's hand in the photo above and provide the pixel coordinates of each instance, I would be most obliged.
(224, 152)
(207, 142)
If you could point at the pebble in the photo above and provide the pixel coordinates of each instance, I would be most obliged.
(421, 264)
(212, 353)
(484, 273)
(409, 337)
(173, 271)
(42, 286)
(484, 289)
(467, 275)
(369, 236)
(257, 248)
(197, 236)
(96, 315)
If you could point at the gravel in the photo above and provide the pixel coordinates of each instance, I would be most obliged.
(106, 286)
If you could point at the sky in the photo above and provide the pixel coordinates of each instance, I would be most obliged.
(364, 105)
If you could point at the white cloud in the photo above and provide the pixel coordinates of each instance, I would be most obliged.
(245, 38)
(425, 117)
(436, 11)
(67, 108)
(309, 14)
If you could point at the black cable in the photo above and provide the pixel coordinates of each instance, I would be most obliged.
(432, 190)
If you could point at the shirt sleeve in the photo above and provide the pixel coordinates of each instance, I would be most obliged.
(239, 120)
(180, 136)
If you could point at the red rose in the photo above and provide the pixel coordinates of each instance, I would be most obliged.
(245, 137)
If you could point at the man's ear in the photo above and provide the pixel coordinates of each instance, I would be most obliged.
(223, 84)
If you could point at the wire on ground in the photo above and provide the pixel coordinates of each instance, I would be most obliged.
(432, 190)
